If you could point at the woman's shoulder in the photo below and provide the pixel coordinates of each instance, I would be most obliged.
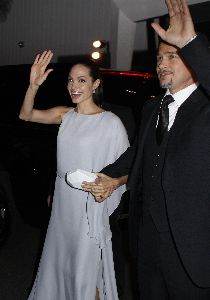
(111, 116)
(113, 119)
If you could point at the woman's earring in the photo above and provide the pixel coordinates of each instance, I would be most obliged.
(94, 91)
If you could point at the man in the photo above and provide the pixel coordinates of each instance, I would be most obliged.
(169, 170)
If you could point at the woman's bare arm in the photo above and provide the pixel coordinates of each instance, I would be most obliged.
(37, 76)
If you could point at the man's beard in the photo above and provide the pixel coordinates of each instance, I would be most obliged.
(167, 85)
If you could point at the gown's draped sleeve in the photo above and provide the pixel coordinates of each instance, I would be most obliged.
(98, 213)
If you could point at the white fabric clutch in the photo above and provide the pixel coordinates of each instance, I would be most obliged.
(75, 179)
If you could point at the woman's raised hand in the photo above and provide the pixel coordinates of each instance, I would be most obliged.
(38, 70)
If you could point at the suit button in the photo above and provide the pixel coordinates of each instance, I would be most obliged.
(153, 176)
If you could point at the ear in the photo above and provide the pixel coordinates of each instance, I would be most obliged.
(96, 84)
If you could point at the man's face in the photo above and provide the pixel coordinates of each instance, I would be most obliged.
(172, 71)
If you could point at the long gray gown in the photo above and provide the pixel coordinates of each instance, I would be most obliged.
(77, 254)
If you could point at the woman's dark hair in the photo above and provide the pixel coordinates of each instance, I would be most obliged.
(95, 74)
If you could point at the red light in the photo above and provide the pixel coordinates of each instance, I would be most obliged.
(128, 73)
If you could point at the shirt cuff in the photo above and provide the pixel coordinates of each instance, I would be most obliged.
(190, 40)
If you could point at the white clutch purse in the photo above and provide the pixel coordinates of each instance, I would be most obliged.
(75, 179)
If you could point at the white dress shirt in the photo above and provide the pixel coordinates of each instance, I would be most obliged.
(179, 99)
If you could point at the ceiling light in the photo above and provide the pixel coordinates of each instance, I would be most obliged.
(97, 44)
(95, 55)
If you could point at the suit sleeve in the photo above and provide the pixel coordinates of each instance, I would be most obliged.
(197, 56)
(123, 164)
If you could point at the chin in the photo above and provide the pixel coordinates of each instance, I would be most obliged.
(76, 101)
(166, 85)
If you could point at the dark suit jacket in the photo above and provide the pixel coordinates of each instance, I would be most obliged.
(186, 171)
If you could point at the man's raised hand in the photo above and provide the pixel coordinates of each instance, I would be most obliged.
(181, 27)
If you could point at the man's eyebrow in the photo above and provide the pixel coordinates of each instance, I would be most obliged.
(168, 52)
(171, 52)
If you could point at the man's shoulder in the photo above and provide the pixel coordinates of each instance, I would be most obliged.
(152, 102)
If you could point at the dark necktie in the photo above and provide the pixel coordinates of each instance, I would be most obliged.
(163, 120)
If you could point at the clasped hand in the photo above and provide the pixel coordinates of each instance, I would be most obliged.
(102, 188)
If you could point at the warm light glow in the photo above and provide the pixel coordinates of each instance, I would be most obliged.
(97, 44)
(95, 55)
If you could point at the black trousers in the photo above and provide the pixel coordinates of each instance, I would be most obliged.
(161, 273)
(118, 253)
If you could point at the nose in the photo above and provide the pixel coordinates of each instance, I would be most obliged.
(161, 63)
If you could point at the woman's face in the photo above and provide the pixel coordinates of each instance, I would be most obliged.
(81, 84)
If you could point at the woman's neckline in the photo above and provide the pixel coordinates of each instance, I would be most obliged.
(94, 114)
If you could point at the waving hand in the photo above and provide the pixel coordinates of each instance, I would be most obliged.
(38, 70)
(181, 28)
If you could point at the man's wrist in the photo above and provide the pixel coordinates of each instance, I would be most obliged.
(189, 40)
(120, 181)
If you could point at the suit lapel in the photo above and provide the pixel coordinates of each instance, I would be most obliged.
(186, 114)
(146, 122)
(147, 117)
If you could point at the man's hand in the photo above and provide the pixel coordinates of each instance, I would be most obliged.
(103, 186)
(181, 28)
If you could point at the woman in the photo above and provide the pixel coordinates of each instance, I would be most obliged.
(76, 262)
